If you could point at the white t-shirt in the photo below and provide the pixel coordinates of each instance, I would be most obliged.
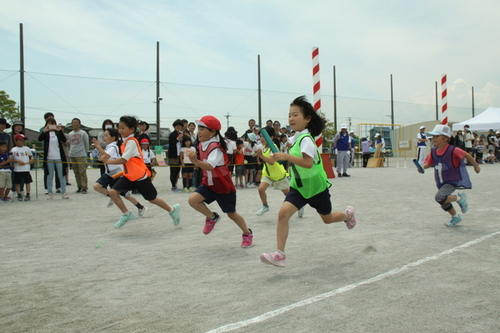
(148, 155)
(307, 147)
(53, 153)
(231, 146)
(184, 150)
(22, 154)
(216, 157)
(114, 153)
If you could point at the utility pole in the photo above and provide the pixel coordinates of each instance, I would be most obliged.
(227, 119)
(349, 120)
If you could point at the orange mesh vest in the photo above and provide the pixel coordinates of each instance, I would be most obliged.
(134, 169)
(219, 179)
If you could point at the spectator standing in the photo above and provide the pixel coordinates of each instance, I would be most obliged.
(55, 158)
(341, 143)
(174, 150)
(421, 145)
(78, 147)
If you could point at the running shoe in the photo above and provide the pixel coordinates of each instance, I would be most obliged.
(275, 258)
(263, 210)
(247, 239)
(454, 221)
(84, 191)
(210, 223)
(124, 219)
(27, 197)
(49, 196)
(142, 211)
(351, 223)
(301, 212)
(65, 195)
(462, 202)
(19, 197)
(176, 214)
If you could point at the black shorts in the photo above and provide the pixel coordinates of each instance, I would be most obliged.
(22, 175)
(188, 168)
(251, 165)
(226, 201)
(321, 201)
(144, 187)
(106, 180)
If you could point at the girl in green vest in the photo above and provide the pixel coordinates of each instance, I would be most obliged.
(273, 174)
(309, 184)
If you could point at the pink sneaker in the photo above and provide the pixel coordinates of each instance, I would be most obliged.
(351, 223)
(276, 258)
(247, 239)
(210, 223)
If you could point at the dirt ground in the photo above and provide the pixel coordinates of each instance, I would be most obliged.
(65, 268)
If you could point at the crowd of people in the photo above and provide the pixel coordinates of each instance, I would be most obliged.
(207, 161)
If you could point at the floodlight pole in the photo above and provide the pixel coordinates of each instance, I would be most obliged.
(21, 54)
(334, 99)
(473, 103)
(158, 99)
(259, 90)
(392, 105)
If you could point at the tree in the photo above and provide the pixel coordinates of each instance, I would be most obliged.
(328, 132)
(8, 109)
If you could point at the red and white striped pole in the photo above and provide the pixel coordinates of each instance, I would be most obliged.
(316, 89)
(444, 101)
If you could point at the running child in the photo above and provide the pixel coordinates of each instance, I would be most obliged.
(217, 184)
(112, 139)
(309, 184)
(135, 174)
(22, 159)
(273, 174)
(450, 172)
(187, 166)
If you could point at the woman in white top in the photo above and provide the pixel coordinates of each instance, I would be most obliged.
(54, 138)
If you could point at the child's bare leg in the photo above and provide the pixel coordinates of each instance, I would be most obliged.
(132, 199)
(195, 200)
(452, 198)
(286, 211)
(452, 211)
(161, 203)
(28, 188)
(18, 188)
(334, 217)
(115, 195)
(101, 189)
(262, 192)
(7, 191)
(240, 221)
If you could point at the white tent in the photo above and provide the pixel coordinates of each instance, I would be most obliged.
(488, 119)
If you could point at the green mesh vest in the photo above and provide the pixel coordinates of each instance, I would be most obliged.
(308, 181)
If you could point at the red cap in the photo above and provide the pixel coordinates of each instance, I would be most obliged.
(144, 141)
(19, 136)
(209, 122)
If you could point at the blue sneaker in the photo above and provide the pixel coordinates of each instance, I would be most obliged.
(462, 202)
(176, 214)
(454, 221)
(124, 219)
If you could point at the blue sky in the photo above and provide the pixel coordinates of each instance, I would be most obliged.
(209, 57)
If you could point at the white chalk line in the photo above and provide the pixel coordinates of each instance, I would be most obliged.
(277, 312)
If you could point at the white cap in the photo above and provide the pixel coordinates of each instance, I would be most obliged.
(351, 132)
(377, 134)
(344, 126)
(422, 127)
(441, 130)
